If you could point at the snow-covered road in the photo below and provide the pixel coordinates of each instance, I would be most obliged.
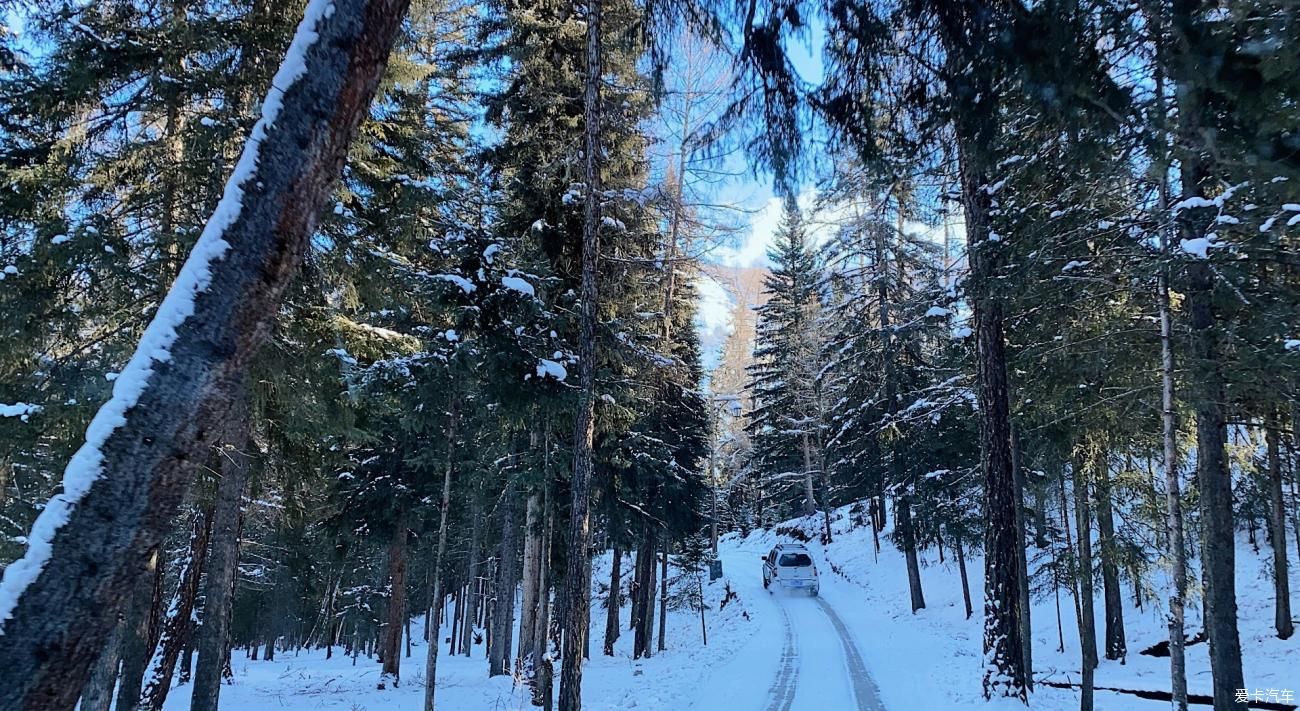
(801, 658)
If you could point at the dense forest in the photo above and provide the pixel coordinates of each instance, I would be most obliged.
(320, 318)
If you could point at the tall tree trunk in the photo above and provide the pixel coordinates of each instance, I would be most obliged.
(975, 121)
(809, 499)
(123, 487)
(435, 600)
(475, 592)
(177, 626)
(906, 531)
(136, 643)
(1087, 618)
(663, 595)
(614, 602)
(503, 614)
(1277, 532)
(961, 565)
(213, 636)
(577, 577)
(1022, 572)
(1176, 546)
(391, 648)
(1116, 647)
(644, 608)
(1206, 387)
(542, 634)
(532, 548)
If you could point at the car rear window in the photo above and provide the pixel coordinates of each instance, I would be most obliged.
(794, 560)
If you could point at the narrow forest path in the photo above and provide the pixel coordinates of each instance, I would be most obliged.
(802, 658)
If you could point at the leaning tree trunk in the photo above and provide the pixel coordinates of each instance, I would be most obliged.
(961, 566)
(122, 488)
(577, 577)
(1277, 532)
(178, 626)
(1116, 647)
(391, 648)
(435, 599)
(213, 638)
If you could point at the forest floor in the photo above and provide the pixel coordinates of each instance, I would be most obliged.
(857, 646)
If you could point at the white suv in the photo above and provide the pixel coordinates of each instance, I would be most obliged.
(790, 566)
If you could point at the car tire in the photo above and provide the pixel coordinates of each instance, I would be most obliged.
(765, 582)
(814, 592)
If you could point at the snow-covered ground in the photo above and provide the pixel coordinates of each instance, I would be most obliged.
(858, 646)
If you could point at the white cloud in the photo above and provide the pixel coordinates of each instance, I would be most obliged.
(713, 315)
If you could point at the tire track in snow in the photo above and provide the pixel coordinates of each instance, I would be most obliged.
(864, 687)
(783, 688)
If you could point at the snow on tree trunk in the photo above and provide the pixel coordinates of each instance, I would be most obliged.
(58, 603)
(177, 625)
(1277, 533)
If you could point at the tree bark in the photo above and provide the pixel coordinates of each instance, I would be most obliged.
(1277, 533)
(1206, 387)
(614, 602)
(903, 519)
(975, 121)
(663, 595)
(1087, 618)
(503, 614)
(961, 565)
(1116, 647)
(475, 592)
(123, 487)
(136, 644)
(577, 578)
(98, 695)
(213, 636)
(391, 648)
(177, 626)
(1022, 571)
(532, 547)
(1176, 545)
(435, 600)
(542, 634)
